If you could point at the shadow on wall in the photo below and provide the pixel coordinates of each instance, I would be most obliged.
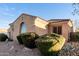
(41, 31)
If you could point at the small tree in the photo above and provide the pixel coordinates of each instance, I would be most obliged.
(3, 37)
(75, 12)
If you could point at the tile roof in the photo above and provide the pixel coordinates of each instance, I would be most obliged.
(53, 20)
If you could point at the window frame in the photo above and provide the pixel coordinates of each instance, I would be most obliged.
(23, 23)
(57, 29)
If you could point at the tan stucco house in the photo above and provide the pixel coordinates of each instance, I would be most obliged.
(30, 23)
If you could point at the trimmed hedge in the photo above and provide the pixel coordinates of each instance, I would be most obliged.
(19, 39)
(50, 44)
(74, 36)
(28, 39)
(3, 37)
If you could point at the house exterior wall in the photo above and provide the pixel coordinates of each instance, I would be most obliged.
(66, 28)
(33, 24)
(16, 26)
(10, 32)
(41, 26)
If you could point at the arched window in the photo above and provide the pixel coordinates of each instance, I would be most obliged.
(23, 28)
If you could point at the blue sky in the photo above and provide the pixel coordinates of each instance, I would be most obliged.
(9, 12)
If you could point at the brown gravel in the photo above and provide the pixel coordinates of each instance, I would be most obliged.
(14, 49)
(70, 49)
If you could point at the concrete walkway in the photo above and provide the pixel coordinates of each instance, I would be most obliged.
(14, 49)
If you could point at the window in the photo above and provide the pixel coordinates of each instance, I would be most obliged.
(54, 29)
(57, 29)
(23, 27)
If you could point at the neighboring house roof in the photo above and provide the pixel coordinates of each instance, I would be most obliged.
(69, 21)
(60, 20)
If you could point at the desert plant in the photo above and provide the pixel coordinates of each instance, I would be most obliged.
(74, 36)
(28, 39)
(19, 39)
(3, 37)
(50, 44)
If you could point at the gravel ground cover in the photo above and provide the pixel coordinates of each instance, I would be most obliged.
(70, 49)
(14, 49)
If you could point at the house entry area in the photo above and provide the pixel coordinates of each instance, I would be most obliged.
(57, 29)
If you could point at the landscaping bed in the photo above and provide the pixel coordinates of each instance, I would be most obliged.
(70, 49)
(14, 49)
(30, 44)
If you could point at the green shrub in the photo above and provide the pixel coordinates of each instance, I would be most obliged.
(50, 44)
(28, 39)
(3, 37)
(19, 39)
(74, 36)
